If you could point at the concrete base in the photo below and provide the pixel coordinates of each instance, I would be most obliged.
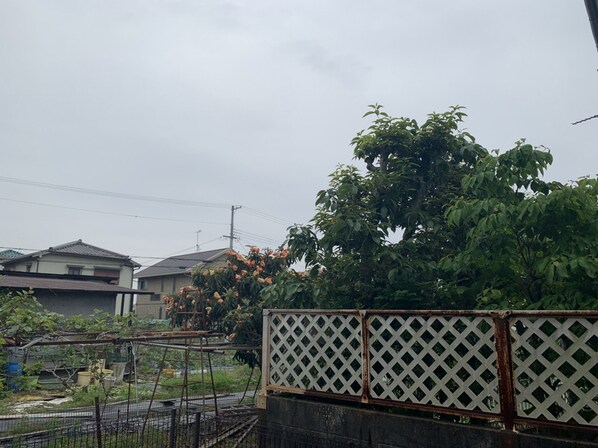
(298, 420)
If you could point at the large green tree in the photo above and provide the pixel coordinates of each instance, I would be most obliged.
(378, 235)
(436, 221)
(529, 243)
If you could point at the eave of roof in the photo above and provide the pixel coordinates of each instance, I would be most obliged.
(35, 283)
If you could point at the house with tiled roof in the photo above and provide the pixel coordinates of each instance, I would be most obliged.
(8, 254)
(80, 259)
(168, 276)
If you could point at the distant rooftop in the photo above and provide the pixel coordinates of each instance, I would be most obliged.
(77, 247)
(9, 254)
(57, 283)
(179, 264)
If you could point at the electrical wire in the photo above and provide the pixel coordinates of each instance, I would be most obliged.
(103, 212)
(247, 210)
(258, 214)
(256, 236)
(112, 194)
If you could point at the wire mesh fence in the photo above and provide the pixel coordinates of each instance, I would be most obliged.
(169, 427)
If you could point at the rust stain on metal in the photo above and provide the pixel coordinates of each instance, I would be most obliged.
(365, 357)
(502, 340)
(121, 340)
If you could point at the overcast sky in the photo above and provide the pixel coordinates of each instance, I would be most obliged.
(254, 103)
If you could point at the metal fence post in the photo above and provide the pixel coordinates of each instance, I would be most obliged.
(98, 422)
(196, 430)
(173, 425)
(502, 340)
(365, 357)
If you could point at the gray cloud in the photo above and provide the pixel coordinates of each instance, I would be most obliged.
(254, 103)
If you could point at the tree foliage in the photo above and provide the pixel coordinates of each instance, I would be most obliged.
(530, 243)
(22, 317)
(413, 172)
(228, 299)
(436, 221)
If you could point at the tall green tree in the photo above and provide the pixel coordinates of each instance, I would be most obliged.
(529, 243)
(378, 235)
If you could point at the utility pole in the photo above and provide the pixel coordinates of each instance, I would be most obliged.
(197, 240)
(231, 237)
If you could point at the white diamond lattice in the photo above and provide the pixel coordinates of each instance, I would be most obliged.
(556, 369)
(316, 352)
(438, 360)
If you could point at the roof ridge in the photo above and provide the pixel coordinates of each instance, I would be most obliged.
(70, 248)
(172, 257)
(80, 242)
(180, 263)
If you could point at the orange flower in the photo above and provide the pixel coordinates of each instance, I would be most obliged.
(217, 296)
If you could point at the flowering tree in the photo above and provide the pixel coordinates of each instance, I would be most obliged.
(229, 299)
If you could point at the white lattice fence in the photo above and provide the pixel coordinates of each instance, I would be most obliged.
(438, 360)
(316, 352)
(556, 368)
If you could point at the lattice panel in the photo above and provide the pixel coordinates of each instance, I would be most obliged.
(316, 352)
(438, 360)
(556, 369)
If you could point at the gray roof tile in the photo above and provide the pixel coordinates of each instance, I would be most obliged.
(179, 264)
(77, 247)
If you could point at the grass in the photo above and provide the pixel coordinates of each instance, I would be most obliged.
(226, 381)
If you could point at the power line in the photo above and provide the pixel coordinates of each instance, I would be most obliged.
(585, 119)
(248, 210)
(112, 194)
(256, 236)
(103, 212)
(258, 214)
